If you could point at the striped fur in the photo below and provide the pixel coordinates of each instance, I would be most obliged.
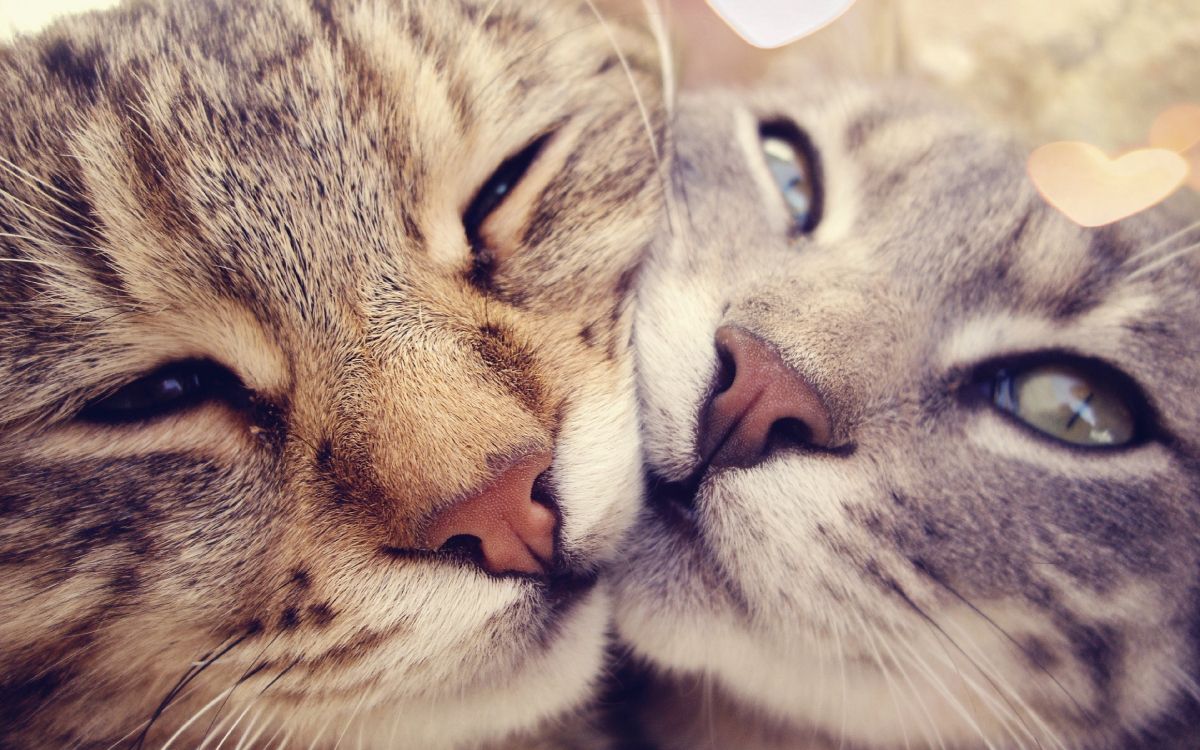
(947, 577)
(277, 186)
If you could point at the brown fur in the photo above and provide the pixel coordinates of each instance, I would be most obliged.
(277, 187)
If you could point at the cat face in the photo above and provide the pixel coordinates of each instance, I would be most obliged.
(285, 287)
(923, 454)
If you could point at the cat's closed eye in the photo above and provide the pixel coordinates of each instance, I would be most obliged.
(490, 244)
(792, 161)
(172, 388)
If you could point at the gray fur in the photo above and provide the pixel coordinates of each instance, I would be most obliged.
(947, 576)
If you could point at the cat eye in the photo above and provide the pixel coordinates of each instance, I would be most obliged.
(1080, 405)
(792, 162)
(171, 388)
(494, 191)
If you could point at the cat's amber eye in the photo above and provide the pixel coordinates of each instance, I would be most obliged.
(1070, 402)
(793, 165)
(171, 388)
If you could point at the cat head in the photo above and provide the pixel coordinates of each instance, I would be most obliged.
(314, 371)
(923, 454)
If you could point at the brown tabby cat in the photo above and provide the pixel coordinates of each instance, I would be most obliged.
(316, 404)
(924, 455)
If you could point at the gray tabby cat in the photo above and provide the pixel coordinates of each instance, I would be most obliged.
(316, 403)
(924, 455)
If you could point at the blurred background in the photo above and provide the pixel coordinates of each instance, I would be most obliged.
(1091, 70)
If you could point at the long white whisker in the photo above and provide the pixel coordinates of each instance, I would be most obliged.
(1163, 243)
(353, 715)
(837, 632)
(1002, 710)
(919, 662)
(917, 694)
(637, 94)
(204, 709)
(887, 677)
(233, 725)
(1162, 261)
(979, 654)
(247, 740)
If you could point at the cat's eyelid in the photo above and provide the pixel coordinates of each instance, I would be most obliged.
(750, 141)
(501, 231)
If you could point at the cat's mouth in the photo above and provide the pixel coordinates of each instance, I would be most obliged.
(675, 502)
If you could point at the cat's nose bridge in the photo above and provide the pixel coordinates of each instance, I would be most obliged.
(758, 402)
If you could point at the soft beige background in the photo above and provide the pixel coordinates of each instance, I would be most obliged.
(30, 15)
(1094, 70)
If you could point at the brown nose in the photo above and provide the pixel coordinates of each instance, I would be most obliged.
(514, 533)
(760, 402)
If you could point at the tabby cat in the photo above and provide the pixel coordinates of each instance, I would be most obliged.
(315, 386)
(924, 456)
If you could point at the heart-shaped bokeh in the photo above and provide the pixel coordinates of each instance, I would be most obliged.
(1092, 190)
(1178, 129)
(774, 23)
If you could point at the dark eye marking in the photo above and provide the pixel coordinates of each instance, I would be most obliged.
(796, 169)
(489, 198)
(172, 388)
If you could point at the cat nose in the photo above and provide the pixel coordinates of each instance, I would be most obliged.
(760, 402)
(510, 530)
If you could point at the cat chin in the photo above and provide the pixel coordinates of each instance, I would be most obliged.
(469, 710)
(546, 686)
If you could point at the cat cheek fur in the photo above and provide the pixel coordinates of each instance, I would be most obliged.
(949, 575)
(277, 187)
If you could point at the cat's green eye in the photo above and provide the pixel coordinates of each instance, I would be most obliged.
(1068, 402)
(792, 162)
(172, 388)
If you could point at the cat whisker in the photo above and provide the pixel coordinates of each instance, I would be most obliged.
(887, 676)
(35, 210)
(1020, 646)
(50, 192)
(349, 721)
(255, 667)
(287, 736)
(33, 262)
(188, 677)
(939, 632)
(637, 94)
(183, 728)
(915, 692)
(656, 15)
(248, 742)
(1034, 715)
(241, 732)
(1163, 243)
(1163, 261)
(919, 661)
(17, 171)
(837, 634)
(229, 723)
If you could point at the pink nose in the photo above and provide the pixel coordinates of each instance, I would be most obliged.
(760, 402)
(514, 532)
